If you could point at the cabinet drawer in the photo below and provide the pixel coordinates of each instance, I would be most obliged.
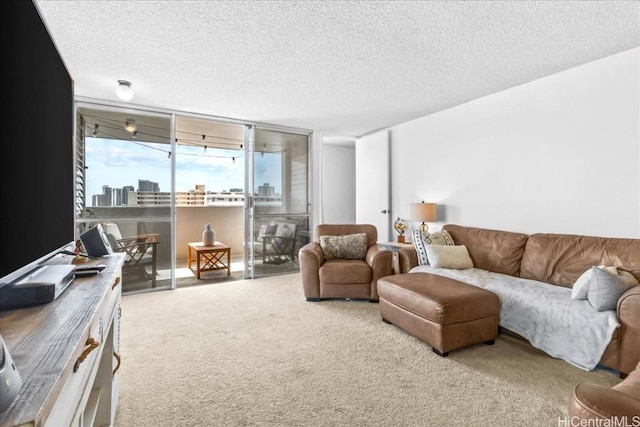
(80, 374)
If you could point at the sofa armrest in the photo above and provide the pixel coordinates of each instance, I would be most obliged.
(380, 260)
(311, 257)
(628, 311)
(407, 259)
(593, 401)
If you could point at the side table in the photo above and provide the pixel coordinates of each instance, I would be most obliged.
(394, 247)
(209, 258)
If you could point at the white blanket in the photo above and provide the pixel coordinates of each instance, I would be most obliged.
(544, 314)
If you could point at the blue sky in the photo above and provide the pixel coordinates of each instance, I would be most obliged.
(121, 163)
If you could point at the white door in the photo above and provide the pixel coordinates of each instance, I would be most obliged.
(373, 200)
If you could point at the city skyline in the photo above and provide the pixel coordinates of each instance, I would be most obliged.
(120, 164)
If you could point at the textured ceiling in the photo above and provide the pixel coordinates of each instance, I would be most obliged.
(346, 68)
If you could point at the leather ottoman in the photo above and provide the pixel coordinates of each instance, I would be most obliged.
(443, 312)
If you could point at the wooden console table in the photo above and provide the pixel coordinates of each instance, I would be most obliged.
(67, 352)
(209, 258)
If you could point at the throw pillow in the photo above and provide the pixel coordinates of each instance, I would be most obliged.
(421, 239)
(628, 278)
(605, 289)
(284, 233)
(445, 256)
(267, 230)
(580, 288)
(348, 246)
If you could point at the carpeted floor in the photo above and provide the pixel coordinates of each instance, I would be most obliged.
(255, 353)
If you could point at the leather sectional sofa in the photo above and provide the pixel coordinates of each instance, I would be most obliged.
(618, 405)
(556, 259)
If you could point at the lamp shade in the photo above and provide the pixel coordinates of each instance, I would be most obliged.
(424, 212)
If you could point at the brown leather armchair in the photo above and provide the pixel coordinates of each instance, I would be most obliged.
(343, 278)
(620, 402)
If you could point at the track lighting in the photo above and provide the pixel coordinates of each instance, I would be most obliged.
(135, 134)
(124, 91)
(95, 130)
(233, 160)
(130, 125)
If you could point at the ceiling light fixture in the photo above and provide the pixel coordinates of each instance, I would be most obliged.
(124, 90)
(130, 125)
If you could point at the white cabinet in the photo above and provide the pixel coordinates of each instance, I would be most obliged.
(67, 353)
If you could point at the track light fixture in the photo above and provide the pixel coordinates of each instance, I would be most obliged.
(124, 91)
(95, 130)
(130, 125)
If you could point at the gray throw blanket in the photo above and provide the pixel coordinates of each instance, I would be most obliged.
(544, 314)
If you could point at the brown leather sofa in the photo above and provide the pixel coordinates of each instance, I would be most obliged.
(558, 259)
(620, 404)
(343, 278)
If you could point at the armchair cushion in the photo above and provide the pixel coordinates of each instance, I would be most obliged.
(348, 246)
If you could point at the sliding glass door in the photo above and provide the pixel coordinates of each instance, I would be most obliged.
(277, 210)
(153, 182)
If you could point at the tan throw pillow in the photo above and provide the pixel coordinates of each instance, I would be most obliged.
(445, 256)
(628, 278)
(422, 239)
(605, 289)
(348, 246)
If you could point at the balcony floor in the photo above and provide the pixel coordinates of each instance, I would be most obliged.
(186, 277)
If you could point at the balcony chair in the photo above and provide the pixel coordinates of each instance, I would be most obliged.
(352, 276)
(141, 252)
(276, 242)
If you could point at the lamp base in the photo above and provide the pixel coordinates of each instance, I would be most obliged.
(401, 238)
(424, 227)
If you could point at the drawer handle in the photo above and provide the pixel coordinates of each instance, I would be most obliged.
(115, 283)
(91, 345)
(117, 356)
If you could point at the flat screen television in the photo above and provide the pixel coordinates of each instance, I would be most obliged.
(38, 161)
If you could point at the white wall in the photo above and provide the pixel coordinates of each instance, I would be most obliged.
(338, 184)
(560, 154)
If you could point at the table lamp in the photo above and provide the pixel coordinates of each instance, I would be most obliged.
(424, 212)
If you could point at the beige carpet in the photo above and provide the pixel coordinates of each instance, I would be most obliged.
(255, 353)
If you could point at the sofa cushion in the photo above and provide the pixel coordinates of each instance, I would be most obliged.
(456, 257)
(348, 246)
(491, 250)
(580, 289)
(345, 271)
(605, 289)
(561, 258)
(421, 239)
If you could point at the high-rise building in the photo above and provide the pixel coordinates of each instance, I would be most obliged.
(146, 185)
